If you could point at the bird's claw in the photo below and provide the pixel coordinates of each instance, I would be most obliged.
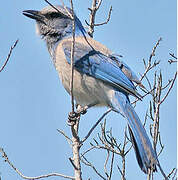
(72, 118)
(82, 110)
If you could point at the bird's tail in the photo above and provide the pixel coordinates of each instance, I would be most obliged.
(146, 156)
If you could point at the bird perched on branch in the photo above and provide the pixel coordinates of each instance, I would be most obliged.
(100, 78)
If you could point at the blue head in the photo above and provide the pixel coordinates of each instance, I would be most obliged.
(54, 25)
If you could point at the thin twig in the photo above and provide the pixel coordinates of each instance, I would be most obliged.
(171, 54)
(4, 155)
(94, 8)
(88, 150)
(68, 139)
(93, 167)
(148, 92)
(72, 57)
(162, 172)
(72, 46)
(172, 61)
(107, 20)
(95, 125)
(98, 4)
(172, 171)
(174, 176)
(72, 162)
(163, 99)
(9, 55)
(149, 66)
(122, 175)
(106, 162)
(111, 168)
(69, 14)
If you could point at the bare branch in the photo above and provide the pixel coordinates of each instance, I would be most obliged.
(72, 57)
(174, 176)
(111, 168)
(88, 150)
(4, 155)
(171, 54)
(92, 166)
(105, 164)
(68, 139)
(58, 10)
(171, 86)
(95, 125)
(107, 20)
(94, 8)
(9, 55)
(98, 4)
(72, 162)
(162, 172)
(172, 61)
(149, 66)
(172, 171)
(165, 87)
(123, 176)
(162, 146)
(148, 92)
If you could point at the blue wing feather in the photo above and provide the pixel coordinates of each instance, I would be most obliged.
(100, 66)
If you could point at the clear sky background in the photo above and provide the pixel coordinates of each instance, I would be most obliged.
(33, 103)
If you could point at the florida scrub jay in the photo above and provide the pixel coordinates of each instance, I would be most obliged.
(100, 78)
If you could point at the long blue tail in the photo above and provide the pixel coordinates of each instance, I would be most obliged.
(145, 154)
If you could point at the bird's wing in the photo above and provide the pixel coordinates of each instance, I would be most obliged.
(100, 66)
(126, 70)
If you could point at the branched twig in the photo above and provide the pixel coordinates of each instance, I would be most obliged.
(155, 113)
(107, 20)
(171, 86)
(109, 143)
(146, 93)
(9, 55)
(95, 6)
(171, 60)
(86, 162)
(4, 155)
(68, 139)
(162, 146)
(149, 66)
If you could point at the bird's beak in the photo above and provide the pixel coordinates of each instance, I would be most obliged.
(34, 15)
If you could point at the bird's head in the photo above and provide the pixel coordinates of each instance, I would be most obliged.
(51, 23)
(54, 23)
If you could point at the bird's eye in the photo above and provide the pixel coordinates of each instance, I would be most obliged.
(53, 15)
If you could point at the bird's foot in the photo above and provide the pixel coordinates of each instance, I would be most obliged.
(82, 110)
(72, 118)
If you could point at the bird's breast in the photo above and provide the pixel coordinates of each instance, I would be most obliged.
(86, 89)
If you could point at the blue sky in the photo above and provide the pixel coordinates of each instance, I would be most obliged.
(34, 104)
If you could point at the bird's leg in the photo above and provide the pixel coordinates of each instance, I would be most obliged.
(81, 110)
(73, 116)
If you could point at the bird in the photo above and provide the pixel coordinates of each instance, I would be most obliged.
(100, 78)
